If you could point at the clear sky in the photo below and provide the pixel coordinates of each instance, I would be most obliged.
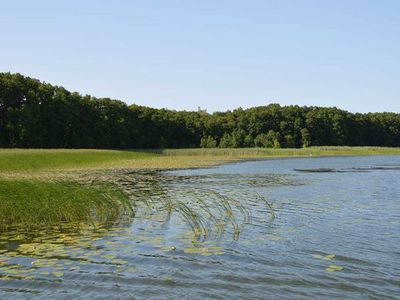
(216, 54)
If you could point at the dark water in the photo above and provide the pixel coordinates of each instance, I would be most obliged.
(333, 232)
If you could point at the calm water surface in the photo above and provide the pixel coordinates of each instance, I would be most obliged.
(211, 233)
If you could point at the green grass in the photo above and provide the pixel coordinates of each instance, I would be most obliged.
(290, 152)
(33, 203)
(30, 160)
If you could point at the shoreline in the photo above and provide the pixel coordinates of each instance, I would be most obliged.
(33, 182)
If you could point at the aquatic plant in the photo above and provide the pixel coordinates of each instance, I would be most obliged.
(269, 205)
(30, 203)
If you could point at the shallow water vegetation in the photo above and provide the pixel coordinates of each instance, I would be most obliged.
(334, 268)
(45, 254)
(32, 203)
(268, 204)
(49, 186)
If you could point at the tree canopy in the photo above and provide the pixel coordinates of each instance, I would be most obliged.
(35, 114)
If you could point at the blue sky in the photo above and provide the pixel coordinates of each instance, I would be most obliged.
(215, 54)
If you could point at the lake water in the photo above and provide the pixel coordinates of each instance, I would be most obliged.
(301, 228)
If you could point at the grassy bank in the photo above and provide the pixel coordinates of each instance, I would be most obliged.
(289, 152)
(39, 186)
(32, 160)
(28, 162)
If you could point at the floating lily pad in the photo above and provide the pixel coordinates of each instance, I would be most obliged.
(109, 256)
(333, 268)
(325, 257)
(58, 274)
(119, 261)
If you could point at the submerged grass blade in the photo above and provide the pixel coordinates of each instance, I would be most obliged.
(269, 205)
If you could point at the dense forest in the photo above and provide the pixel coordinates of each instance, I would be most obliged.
(40, 115)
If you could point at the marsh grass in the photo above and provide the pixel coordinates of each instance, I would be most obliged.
(31, 160)
(46, 186)
(33, 203)
(285, 152)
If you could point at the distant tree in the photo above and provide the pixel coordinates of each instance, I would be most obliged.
(39, 115)
(274, 139)
(208, 142)
(227, 141)
(248, 141)
(305, 138)
(289, 141)
(261, 140)
(238, 138)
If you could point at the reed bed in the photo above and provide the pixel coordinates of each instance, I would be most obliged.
(40, 186)
(286, 152)
(40, 162)
(32, 203)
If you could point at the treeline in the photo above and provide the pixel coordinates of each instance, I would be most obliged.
(39, 115)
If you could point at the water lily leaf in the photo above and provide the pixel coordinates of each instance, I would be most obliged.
(192, 250)
(45, 262)
(112, 243)
(15, 271)
(206, 251)
(325, 257)
(132, 270)
(329, 257)
(58, 274)
(119, 261)
(169, 280)
(45, 273)
(4, 277)
(169, 248)
(333, 268)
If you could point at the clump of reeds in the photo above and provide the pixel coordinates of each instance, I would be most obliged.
(32, 203)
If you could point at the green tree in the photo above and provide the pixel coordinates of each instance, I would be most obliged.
(36, 114)
(305, 138)
(208, 142)
(261, 140)
(274, 139)
(227, 141)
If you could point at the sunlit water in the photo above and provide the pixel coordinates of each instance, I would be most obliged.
(210, 233)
